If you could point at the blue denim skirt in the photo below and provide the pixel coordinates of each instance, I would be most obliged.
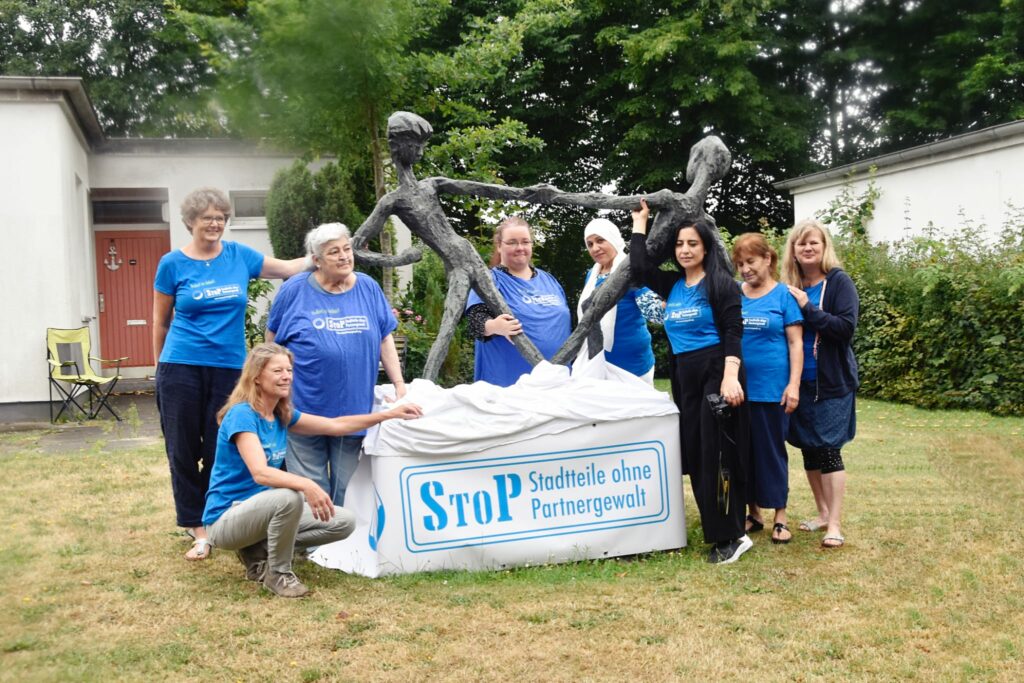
(825, 423)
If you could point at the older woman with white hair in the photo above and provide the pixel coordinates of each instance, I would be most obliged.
(339, 325)
(627, 341)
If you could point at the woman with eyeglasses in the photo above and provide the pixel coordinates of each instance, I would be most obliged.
(199, 300)
(536, 299)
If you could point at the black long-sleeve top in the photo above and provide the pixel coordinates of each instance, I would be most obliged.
(725, 308)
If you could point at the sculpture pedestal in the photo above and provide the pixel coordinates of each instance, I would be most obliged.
(596, 490)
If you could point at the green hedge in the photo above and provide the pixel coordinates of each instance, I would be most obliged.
(942, 319)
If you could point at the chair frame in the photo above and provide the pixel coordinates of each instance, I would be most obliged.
(99, 388)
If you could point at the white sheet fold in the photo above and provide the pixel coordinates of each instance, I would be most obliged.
(474, 417)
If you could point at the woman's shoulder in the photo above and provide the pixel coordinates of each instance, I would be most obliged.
(239, 413)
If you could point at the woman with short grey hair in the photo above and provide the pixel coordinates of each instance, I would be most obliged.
(199, 300)
(339, 325)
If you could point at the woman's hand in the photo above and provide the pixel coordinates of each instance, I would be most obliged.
(798, 294)
(731, 391)
(319, 502)
(505, 325)
(406, 411)
(790, 398)
(640, 217)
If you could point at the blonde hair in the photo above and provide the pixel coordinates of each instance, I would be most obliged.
(510, 222)
(200, 200)
(247, 391)
(792, 274)
(755, 244)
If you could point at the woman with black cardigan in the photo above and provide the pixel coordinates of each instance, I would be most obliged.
(705, 328)
(826, 418)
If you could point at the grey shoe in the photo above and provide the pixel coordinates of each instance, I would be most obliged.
(254, 559)
(284, 584)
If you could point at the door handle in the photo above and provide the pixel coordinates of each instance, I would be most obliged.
(103, 306)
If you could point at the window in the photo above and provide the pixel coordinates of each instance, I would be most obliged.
(249, 208)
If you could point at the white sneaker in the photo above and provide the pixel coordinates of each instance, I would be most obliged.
(728, 553)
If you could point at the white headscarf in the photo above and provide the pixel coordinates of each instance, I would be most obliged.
(604, 228)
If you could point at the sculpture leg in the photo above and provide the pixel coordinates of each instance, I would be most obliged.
(485, 287)
(602, 300)
(454, 306)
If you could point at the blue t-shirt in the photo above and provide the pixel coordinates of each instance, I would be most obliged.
(810, 372)
(631, 349)
(689, 321)
(208, 327)
(765, 349)
(230, 480)
(336, 341)
(539, 304)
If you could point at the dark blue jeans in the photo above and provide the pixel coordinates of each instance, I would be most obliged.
(188, 398)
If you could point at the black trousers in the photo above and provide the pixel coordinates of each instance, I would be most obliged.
(710, 443)
(188, 398)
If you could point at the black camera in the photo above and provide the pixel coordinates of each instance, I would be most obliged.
(719, 407)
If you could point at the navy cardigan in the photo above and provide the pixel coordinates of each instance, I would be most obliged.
(835, 322)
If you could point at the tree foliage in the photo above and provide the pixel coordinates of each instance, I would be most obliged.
(143, 71)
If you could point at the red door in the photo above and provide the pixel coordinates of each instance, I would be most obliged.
(125, 267)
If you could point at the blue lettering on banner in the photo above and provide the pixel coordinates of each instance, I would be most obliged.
(513, 498)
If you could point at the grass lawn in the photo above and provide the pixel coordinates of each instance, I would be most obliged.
(930, 585)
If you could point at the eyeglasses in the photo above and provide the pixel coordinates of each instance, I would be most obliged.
(211, 220)
(517, 243)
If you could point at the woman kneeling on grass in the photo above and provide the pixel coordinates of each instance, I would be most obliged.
(255, 508)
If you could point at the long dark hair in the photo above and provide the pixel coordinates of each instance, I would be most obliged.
(718, 272)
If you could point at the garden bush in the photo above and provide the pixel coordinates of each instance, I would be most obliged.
(940, 312)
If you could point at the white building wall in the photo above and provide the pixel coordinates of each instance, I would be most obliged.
(46, 278)
(974, 184)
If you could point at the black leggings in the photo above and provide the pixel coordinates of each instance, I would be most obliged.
(695, 375)
(828, 460)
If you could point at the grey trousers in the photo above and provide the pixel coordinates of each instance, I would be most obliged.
(282, 519)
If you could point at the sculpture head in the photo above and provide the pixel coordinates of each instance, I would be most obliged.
(407, 135)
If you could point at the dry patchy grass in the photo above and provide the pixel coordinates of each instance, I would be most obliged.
(94, 586)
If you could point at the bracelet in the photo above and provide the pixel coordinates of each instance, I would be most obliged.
(734, 361)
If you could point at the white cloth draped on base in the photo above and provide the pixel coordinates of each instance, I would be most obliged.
(474, 417)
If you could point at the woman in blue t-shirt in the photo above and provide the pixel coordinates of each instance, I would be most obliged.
(627, 341)
(255, 508)
(704, 328)
(773, 353)
(199, 299)
(537, 302)
(339, 325)
(826, 418)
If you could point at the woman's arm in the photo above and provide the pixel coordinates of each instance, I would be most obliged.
(392, 365)
(482, 326)
(728, 315)
(839, 322)
(795, 345)
(163, 312)
(248, 444)
(277, 269)
(347, 424)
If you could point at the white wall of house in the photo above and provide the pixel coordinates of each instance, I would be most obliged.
(47, 269)
(975, 183)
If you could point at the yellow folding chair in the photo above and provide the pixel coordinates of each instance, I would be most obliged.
(72, 375)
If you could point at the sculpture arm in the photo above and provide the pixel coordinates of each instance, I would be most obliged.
(372, 227)
(549, 194)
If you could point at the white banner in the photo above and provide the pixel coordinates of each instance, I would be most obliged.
(599, 490)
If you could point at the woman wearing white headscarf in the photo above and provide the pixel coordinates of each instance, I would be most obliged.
(627, 342)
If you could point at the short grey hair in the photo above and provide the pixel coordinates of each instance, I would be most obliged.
(198, 201)
(319, 236)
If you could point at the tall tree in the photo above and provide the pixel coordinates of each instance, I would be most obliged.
(143, 71)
